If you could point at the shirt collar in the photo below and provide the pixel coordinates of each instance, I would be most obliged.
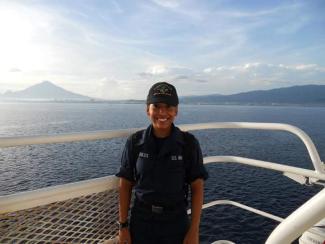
(176, 133)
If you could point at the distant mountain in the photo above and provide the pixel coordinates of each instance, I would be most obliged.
(45, 91)
(307, 94)
(199, 99)
(299, 95)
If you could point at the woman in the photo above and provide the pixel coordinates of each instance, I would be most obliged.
(161, 163)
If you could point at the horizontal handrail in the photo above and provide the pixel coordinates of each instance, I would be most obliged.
(63, 138)
(266, 165)
(242, 206)
(318, 165)
(109, 134)
(47, 195)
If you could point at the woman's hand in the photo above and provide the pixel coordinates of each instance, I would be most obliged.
(192, 236)
(124, 236)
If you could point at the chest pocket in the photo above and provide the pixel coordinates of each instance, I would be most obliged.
(175, 163)
(174, 174)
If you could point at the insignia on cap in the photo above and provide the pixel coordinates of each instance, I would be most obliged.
(163, 89)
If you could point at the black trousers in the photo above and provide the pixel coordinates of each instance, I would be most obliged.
(169, 227)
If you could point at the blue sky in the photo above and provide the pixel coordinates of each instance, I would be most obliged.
(118, 49)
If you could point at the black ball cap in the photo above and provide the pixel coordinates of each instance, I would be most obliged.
(162, 92)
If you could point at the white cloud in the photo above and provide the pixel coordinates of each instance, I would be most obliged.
(165, 71)
(168, 3)
(118, 49)
(110, 87)
(251, 65)
(258, 75)
(15, 70)
(310, 67)
(157, 70)
(265, 12)
(271, 67)
(208, 70)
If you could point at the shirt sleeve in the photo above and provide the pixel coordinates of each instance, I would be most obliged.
(196, 168)
(127, 162)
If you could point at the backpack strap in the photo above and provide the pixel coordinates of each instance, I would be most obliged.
(136, 149)
(187, 149)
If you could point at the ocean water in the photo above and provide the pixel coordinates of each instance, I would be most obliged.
(33, 167)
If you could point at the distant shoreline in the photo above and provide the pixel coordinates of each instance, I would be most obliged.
(306, 95)
(181, 103)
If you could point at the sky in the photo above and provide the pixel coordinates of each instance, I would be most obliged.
(116, 49)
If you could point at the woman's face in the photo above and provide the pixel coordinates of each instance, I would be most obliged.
(161, 115)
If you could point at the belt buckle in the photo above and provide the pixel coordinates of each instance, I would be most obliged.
(157, 209)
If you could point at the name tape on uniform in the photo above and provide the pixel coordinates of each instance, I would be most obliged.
(143, 155)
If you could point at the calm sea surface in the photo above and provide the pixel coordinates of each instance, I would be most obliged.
(32, 167)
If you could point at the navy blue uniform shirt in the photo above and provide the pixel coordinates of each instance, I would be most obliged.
(162, 175)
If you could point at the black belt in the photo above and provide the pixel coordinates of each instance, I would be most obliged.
(158, 208)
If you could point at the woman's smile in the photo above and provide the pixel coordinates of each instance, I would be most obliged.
(162, 117)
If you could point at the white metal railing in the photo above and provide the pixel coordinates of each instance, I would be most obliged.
(40, 197)
(109, 134)
(267, 165)
(306, 216)
(62, 138)
(242, 206)
(314, 156)
(287, 231)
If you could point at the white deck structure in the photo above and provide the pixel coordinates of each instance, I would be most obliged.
(86, 212)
